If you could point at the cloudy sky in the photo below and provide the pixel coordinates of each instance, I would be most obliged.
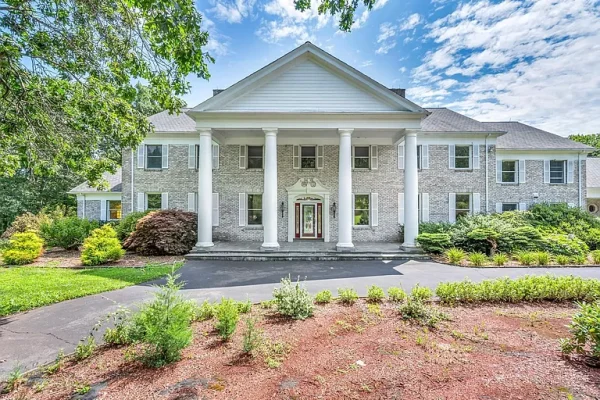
(536, 61)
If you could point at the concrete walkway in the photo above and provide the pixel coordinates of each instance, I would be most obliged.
(36, 337)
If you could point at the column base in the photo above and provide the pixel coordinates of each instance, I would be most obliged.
(410, 248)
(201, 245)
(344, 247)
(269, 247)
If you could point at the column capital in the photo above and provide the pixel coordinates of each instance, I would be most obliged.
(270, 131)
(411, 133)
(204, 131)
(345, 131)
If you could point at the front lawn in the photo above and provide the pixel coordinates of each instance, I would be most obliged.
(24, 288)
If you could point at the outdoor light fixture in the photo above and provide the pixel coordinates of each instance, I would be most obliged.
(333, 209)
(281, 207)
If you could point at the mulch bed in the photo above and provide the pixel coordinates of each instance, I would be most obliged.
(70, 259)
(484, 352)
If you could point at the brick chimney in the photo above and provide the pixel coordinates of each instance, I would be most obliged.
(217, 91)
(399, 92)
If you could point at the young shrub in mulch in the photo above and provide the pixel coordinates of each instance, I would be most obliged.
(375, 294)
(164, 232)
(421, 293)
(227, 315)
(23, 248)
(347, 296)
(585, 331)
(68, 233)
(252, 338)
(396, 294)
(128, 224)
(323, 297)
(293, 300)
(101, 247)
(415, 310)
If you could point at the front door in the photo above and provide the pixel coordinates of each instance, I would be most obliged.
(309, 221)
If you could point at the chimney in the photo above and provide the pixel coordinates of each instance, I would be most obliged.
(217, 91)
(399, 92)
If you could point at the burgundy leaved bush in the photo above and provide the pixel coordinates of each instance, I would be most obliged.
(164, 232)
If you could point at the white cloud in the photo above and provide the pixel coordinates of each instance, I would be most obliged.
(367, 63)
(232, 11)
(218, 44)
(411, 22)
(274, 31)
(379, 4)
(386, 38)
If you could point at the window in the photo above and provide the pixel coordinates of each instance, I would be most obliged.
(153, 201)
(462, 157)
(153, 156)
(419, 156)
(114, 209)
(558, 171)
(510, 207)
(255, 157)
(510, 172)
(308, 157)
(255, 209)
(361, 157)
(361, 209)
(463, 205)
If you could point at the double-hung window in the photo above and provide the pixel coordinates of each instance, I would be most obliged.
(463, 204)
(114, 209)
(154, 156)
(254, 209)
(255, 157)
(558, 171)
(362, 157)
(510, 171)
(308, 157)
(462, 157)
(361, 209)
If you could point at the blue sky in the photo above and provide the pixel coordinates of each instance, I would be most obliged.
(536, 61)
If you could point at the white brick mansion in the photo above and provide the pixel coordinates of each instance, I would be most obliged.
(308, 148)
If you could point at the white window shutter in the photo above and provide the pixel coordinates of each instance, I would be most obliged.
(498, 208)
(192, 156)
(215, 156)
(320, 157)
(374, 157)
(103, 210)
(522, 206)
(401, 208)
(164, 201)
(451, 153)
(141, 161)
(165, 156)
(546, 171)
(141, 202)
(191, 202)
(570, 171)
(498, 171)
(400, 156)
(215, 209)
(476, 203)
(296, 157)
(374, 209)
(424, 207)
(475, 156)
(452, 207)
(522, 173)
(353, 157)
(242, 209)
(353, 208)
(425, 156)
(243, 152)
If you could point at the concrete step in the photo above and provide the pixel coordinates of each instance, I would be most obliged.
(304, 256)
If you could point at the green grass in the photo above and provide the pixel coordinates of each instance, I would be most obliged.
(24, 288)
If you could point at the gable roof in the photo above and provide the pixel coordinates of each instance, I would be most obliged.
(592, 172)
(446, 120)
(313, 52)
(165, 122)
(520, 136)
(114, 184)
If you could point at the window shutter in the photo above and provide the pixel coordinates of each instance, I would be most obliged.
(374, 209)
(400, 156)
(140, 156)
(242, 209)
(498, 171)
(103, 210)
(401, 208)
(215, 156)
(570, 165)
(451, 156)
(374, 157)
(424, 207)
(546, 171)
(165, 156)
(320, 157)
(522, 206)
(498, 208)
(353, 157)
(353, 207)
(296, 157)
(476, 201)
(141, 202)
(243, 152)
(452, 207)
(425, 156)
(215, 209)
(192, 156)
(164, 201)
(192, 202)
(522, 171)
(475, 156)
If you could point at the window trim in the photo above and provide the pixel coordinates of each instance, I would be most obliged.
(108, 209)
(368, 210)
(146, 156)
(248, 209)
(151, 194)
(262, 157)
(308, 157)
(456, 209)
(564, 172)
(469, 157)
(368, 157)
(516, 204)
(516, 171)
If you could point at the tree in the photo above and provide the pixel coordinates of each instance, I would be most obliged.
(591, 140)
(67, 78)
(345, 9)
(144, 103)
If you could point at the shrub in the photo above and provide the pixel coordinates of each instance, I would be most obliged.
(520, 238)
(252, 337)
(23, 248)
(561, 259)
(435, 227)
(68, 233)
(396, 294)
(455, 256)
(128, 224)
(421, 293)
(579, 259)
(85, 348)
(584, 328)
(415, 310)
(227, 318)
(27, 222)
(164, 232)
(205, 311)
(488, 237)
(542, 258)
(500, 259)
(101, 247)
(434, 242)
(569, 245)
(561, 215)
(595, 256)
(244, 307)
(347, 296)
(293, 300)
(526, 258)
(375, 294)
(592, 238)
(477, 259)
(323, 297)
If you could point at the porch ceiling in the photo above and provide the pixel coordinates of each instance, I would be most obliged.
(285, 136)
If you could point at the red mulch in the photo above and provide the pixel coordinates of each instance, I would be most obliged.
(487, 352)
(70, 259)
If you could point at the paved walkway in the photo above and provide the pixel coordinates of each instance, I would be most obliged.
(37, 336)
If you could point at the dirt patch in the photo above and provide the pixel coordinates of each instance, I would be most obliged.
(71, 259)
(487, 352)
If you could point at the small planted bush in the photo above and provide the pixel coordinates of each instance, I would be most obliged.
(455, 256)
(421, 293)
(68, 233)
(244, 307)
(293, 300)
(375, 294)
(561, 259)
(526, 258)
(595, 255)
(500, 259)
(415, 310)
(579, 259)
(101, 246)
(477, 259)
(434, 242)
(85, 348)
(542, 258)
(204, 311)
(323, 297)
(252, 337)
(585, 331)
(227, 318)
(23, 248)
(396, 295)
(347, 296)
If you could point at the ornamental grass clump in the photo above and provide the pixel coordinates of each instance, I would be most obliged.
(500, 259)
(585, 331)
(227, 315)
(396, 294)
(101, 246)
(293, 300)
(561, 259)
(579, 259)
(477, 259)
(526, 258)
(542, 258)
(375, 294)
(455, 256)
(23, 248)
(595, 255)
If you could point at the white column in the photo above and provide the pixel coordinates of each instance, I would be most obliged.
(411, 190)
(345, 206)
(205, 189)
(269, 199)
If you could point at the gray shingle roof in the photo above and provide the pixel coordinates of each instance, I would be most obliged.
(592, 172)
(527, 137)
(114, 184)
(446, 120)
(165, 122)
